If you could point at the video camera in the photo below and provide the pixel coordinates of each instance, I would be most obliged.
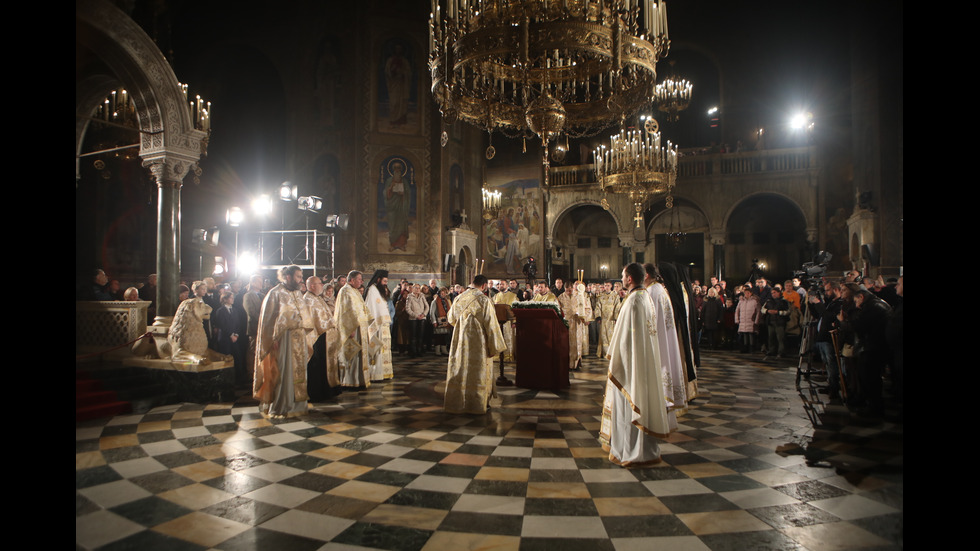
(812, 273)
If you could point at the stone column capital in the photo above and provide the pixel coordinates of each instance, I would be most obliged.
(169, 170)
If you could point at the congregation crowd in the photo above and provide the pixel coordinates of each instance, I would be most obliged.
(308, 339)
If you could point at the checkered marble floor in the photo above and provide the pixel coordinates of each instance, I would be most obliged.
(388, 469)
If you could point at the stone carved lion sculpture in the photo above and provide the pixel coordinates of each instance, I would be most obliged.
(187, 339)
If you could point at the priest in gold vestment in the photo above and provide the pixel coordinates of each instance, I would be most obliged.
(283, 347)
(322, 375)
(577, 310)
(508, 297)
(476, 341)
(634, 410)
(352, 318)
(608, 301)
(543, 293)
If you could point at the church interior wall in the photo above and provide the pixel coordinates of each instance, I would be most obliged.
(338, 129)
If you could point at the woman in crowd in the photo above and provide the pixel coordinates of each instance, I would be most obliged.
(442, 332)
(415, 309)
(747, 316)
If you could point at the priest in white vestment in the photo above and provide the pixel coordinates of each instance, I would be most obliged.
(577, 311)
(283, 347)
(476, 341)
(634, 410)
(353, 319)
(672, 365)
(376, 300)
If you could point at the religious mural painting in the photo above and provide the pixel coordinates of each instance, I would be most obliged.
(515, 233)
(397, 110)
(397, 206)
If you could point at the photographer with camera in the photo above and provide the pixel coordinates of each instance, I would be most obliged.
(826, 309)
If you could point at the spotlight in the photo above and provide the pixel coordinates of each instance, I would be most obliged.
(247, 263)
(801, 121)
(311, 203)
(288, 191)
(205, 237)
(234, 217)
(262, 205)
(337, 221)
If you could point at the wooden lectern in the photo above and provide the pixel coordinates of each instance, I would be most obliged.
(542, 349)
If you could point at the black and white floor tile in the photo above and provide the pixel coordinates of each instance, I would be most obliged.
(388, 469)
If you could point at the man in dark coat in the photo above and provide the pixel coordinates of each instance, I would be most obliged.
(776, 310)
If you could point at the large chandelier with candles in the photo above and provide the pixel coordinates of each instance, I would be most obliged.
(636, 164)
(673, 95)
(545, 67)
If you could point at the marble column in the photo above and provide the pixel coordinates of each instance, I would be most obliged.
(626, 241)
(169, 174)
(718, 254)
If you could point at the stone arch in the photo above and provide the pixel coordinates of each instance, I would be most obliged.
(116, 51)
(803, 214)
(550, 229)
(656, 210)
(111, 50)
(694, 220)
(588, 222)
(767, 226)
(464, 265)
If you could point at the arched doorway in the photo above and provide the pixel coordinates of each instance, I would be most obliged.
(586, 237)
(463, 263)
(767, 227)
(664, 243)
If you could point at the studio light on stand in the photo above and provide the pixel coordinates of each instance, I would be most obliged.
(309, 204)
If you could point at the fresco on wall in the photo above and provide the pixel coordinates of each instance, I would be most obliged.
(397, 89)
(515, 234)
(397, 206)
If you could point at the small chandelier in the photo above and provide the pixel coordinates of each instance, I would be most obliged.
(675, 235)
(491, 204)
(636, 164)
(673, 95)
(540, 67)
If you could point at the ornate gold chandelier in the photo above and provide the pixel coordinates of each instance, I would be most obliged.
(638, 165)
(673, 95)
(545, 67)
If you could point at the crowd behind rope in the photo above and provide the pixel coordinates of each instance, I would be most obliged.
(857, 321)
